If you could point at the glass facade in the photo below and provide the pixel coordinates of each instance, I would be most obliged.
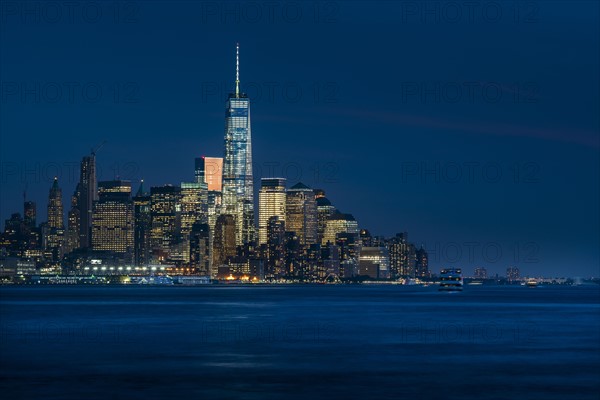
(301, 213)
(238, 196)
(271, 203)
(88, 194)
(209, 170)
(338, 224)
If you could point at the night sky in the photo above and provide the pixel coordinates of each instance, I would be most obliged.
(475, 130)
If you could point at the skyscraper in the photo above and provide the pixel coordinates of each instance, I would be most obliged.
(209, 170)
(193, 210)
(271, 203)
(238, 196)
(338, 224)
(29, 214)
(55, 207)
(275, 247)
(88, 194)
(301, 213)
(193, 205)
(142, 219)
(199, 248)
(73, 223)
(224, 242)
(55, 230)
(112, 219)
(324, 210)
(403, 256)
(166, 221)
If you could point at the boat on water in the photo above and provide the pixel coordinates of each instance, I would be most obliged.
(532, 283)
(451, 280)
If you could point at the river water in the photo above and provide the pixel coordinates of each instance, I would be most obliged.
(299, 341)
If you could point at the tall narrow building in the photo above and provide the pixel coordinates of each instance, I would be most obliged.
(324, 210)
(88, 194)
(73, 223)
(403, 256)
(224, 242)
(209, 171)
(142, 221)
(271, 203)
(55, 207)
(29, 214)
(193, 210)
(238, 196)
(301, 213)
(165, 233)
(55, 232)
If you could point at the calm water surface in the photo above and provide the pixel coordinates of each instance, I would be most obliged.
(319, 342)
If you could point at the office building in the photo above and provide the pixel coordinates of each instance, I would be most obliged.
(271, 203)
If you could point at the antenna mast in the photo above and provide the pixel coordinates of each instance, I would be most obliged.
(237, 70)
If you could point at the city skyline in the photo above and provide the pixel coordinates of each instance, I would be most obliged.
(538, 166)
(300, 199)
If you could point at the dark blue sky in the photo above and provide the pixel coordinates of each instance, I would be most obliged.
(474, 129)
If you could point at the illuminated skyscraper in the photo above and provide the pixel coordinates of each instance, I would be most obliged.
(55, 230)
(193, 205)
(301, 213)
(238, 197)
(403, 257)
(193, 210)
(271, 203)
(88, 194)
(112, 219)
(324, 210)
(209, 170)
(166, 222)
(55, 207)
(339, 224)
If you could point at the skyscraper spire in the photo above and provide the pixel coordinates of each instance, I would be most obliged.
(238, 198)
(237, 70)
